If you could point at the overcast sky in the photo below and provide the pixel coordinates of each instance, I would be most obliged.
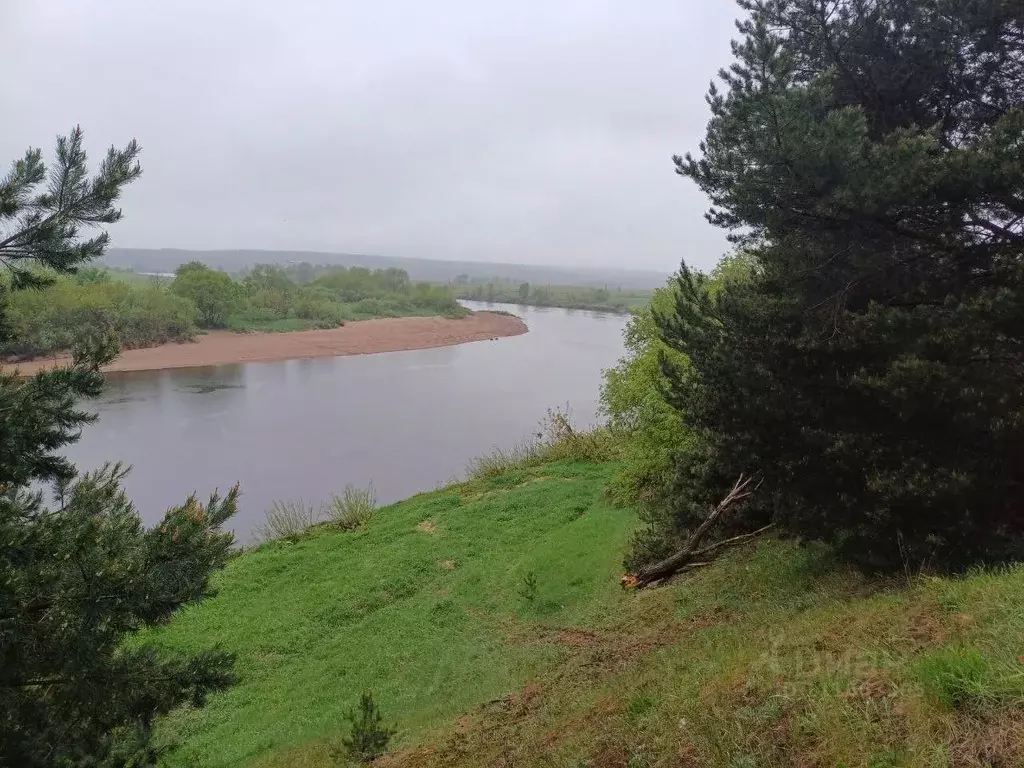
(536, 131)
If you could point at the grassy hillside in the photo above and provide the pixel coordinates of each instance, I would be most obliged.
(775, 656)
(423, 607)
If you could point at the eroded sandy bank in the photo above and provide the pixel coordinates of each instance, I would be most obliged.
(393, 334)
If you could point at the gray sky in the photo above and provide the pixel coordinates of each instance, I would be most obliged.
(536, 131)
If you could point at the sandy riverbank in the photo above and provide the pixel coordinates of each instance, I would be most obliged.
(392, 334)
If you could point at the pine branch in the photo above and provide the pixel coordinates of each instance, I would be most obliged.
(48, 228)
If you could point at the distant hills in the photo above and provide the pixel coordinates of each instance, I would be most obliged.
(168, 259)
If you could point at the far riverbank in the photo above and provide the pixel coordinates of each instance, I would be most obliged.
(392, 334)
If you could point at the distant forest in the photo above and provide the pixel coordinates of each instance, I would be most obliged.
(427, 270)
(600, 299)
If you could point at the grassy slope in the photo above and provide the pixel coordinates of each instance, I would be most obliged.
(422, 607)
(775, 656)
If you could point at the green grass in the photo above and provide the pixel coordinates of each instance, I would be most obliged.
(285, 325)
(487, 620)
(422, 606)
(965, 678)
(556, 440)
(776, 656)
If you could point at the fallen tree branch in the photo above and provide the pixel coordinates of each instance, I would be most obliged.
(686, 557)
(734, 540)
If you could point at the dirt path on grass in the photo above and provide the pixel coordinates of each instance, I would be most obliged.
(392, 334)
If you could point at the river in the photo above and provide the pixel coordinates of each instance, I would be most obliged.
(404, 421)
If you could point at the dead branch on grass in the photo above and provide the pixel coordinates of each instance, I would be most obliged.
(686, 558)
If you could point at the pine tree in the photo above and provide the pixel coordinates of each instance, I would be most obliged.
(79, 574)
(870, 156)
(369, 736)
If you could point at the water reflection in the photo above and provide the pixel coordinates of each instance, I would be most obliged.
(407, 421)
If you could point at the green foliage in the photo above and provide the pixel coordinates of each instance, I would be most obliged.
(559, 440)
(274, 301)
(653, 432)
(568, 296)
(632, 399)
(353, 508)
(868, 157)
(369, 737)
(386, 293)
(81, 575)
(272, 281)
(49, 320)
(142, 312)
(92, 276)
(216, 296)
(42, 228)
(273, 298)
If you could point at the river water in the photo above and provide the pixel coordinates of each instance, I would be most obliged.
(403, 421)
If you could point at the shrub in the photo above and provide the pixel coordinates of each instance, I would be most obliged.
(214, 293)
(320, 313)
(560, 440)
(655, 434)
(271, 302)
(456, 311)
(50, 321)
(369, 736)
(528, 587)
(501, 460)
(375, 308)
(255, 314)
(287, 520)
(353, 508)
(556, 440)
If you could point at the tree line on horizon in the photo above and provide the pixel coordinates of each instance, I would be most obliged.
(602, 299)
